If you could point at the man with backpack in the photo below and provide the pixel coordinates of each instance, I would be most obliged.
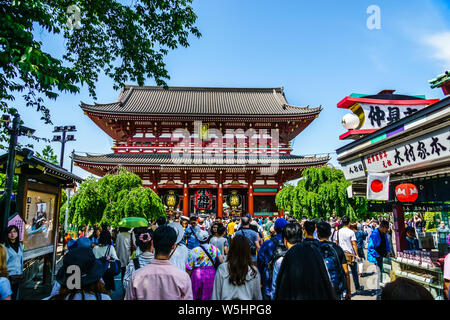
(378, 248)
(292, 234)
(190, 234)
(265, 254)
(252, 236)
(335, 261)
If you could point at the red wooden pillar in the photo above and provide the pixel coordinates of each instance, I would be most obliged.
(250, 200)
(220, 201)
(185, 201)
(399, 227)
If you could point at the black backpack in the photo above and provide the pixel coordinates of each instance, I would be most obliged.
(278, 252)
(334, 267)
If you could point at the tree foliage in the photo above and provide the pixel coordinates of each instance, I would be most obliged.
(126, 40)
(111, 198)
(48, 155)
(320, 193)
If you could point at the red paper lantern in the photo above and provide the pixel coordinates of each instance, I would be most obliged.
(406, 192)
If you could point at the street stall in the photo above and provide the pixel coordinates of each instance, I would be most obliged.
(36, 208)
(408, 161)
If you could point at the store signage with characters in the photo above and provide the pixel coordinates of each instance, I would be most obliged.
(430, 147)
(39, 220)
(373, 116)
(406, 192)
(353, 170)
(203, 200)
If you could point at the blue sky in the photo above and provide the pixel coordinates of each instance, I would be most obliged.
(320, 51)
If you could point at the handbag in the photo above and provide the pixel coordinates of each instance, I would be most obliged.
(216, 261)
(111, 266)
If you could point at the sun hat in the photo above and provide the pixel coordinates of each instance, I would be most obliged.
(203, 236)
(178, 229)
(91, 269)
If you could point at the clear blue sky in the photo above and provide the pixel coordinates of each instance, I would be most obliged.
(320, 51)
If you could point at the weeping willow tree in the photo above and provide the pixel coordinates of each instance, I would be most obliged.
(111, 198)
(321, 192)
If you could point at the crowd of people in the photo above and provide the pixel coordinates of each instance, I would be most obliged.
(240, 258)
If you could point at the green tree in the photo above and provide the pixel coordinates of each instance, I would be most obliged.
(321, 192)
(126, 40)
(111, 198)
(48, 155)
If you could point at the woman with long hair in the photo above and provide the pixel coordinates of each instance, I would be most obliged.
(303, 276)
(237, 278)
(105, 249)
(14, 259)
(5, 286)
(91, 286)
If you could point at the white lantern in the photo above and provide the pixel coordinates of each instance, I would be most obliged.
(350, 121)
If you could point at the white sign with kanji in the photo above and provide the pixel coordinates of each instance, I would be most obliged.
(430, 147)
(379, 116)
(353, 170)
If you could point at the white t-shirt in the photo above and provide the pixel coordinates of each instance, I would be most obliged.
(346, 236)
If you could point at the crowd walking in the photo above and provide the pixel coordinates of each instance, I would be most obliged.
(241, 258)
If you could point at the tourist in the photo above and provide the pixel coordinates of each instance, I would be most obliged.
(268, 224)
(361, 237)
(105, 249)
(292, 234)
(5, 285)
(145, 244)
(123, 248)
(190, 234)
(378, 248)
(303, 276)
(335, 261)
(201, 224)
(231, 228)
(411, 241)
(160, 279)
(200, 266)
(95, 236)
(252, 237)
(419, 224)
(14, 259)
(92, 287)
(309, 229)
(265, 254)
(179, 255)
(184, 222)
(218, 238)
(405, 289)
(446, 276)
(237, 278)
(346, 238)
(160, 221)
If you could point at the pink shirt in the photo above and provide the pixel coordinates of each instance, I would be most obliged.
(160, 280)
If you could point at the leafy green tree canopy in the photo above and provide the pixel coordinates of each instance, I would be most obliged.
(48, 155)
(321, 192)
(111, 198)
(126, 40)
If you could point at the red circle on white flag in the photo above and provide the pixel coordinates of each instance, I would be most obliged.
(376, 185)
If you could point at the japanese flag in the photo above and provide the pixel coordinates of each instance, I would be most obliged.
(378, 186)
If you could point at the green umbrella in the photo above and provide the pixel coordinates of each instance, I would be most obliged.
(133, 222)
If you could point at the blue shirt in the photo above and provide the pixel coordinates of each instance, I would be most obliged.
(264, 255)
(374, 242)
(192, 241)
(14, 261)
(360, 238)
(5, 288)
(412, 243)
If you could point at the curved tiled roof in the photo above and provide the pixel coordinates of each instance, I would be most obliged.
(166, 160)
(200, 101)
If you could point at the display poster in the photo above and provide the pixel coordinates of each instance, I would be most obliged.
(39, 220)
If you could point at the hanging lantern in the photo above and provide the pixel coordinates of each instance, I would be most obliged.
(203, 200)
(171, 200)
(406, 192)
(350, 121)
(234, 200)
